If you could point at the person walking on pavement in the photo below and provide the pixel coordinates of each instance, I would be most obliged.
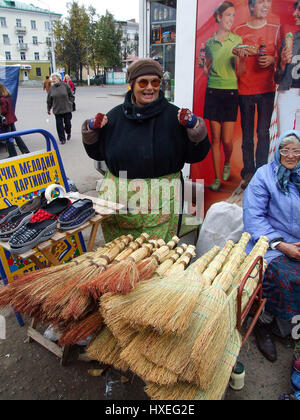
(7, 123)
(69, 82)
(61, 99)
(47, 84)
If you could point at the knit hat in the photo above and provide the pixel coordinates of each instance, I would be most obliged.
(142, 67)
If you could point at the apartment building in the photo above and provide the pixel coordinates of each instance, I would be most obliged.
(26, 39)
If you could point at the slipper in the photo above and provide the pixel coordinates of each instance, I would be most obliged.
(51, 210)
(8, 228)
(32, 234)
(80, 220)
(34, 204)
(215, 186)
(226, 172)
(75, 210)
(8, 213)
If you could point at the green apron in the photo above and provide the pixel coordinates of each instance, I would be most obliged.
(150, 205)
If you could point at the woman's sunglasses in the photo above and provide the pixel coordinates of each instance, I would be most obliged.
(143, 83)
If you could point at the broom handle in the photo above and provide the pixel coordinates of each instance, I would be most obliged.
(142, 253)
(132, 247)
(167, 264)
(162, 252)
(113, 252)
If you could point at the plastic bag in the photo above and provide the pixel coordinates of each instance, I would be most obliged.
(223, 222)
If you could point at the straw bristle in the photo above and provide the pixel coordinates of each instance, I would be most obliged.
(147, 370)
(146, 268)
(178, 392)
(80, 330)
(105, 349)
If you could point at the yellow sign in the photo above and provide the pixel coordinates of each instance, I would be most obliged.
(22, 179)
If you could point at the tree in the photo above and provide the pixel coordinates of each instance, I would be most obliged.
(108, 45)
(71, 39)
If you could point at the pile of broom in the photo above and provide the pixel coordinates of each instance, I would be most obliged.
(178, 332)
(66, 296)
(149, 310)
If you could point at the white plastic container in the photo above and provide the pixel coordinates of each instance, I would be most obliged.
(237, 379)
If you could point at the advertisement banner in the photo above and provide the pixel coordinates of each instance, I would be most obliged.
(247, 87)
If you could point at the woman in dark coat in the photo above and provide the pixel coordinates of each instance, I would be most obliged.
(145, 143)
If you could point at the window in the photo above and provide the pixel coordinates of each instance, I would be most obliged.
(37, 56)
(22, 56)
(6, 40)
(33, 24)
(47, 26)
(7, 55)
(18, 23)
(48, 41)
(38, 72)
(35, 40)
(3, 22)
(21, 39)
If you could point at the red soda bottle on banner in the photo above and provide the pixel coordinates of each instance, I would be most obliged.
(262, 50)
(202, 56)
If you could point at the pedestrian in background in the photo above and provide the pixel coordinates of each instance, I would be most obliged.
(7, 123)
(61, 99)
(69, 82)
(47, 84)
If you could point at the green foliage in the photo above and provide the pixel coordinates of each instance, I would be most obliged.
(86, 38)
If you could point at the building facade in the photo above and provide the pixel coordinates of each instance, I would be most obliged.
(26, 39)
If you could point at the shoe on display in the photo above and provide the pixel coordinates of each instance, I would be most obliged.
(7, 213)
(34, 204)
(8, 228)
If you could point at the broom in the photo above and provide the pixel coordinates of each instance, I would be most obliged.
(215, 266)
(57, 295)
(148, 266)
(186, 391)
(147, 370)
(22, 292)
(202, 263)
(174, 351)
(79, 330)
(209, 345)
(184, 260)
(105, 349)
(170, 260)
(164, 304)
(112, 313)
(121, 277)
(79, 301)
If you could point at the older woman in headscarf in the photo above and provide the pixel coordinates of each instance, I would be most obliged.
(145, 143)
(272, 208)
(60, 98)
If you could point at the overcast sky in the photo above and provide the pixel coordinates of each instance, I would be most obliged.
(121, 9)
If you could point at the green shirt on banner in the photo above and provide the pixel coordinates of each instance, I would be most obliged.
(222, 74)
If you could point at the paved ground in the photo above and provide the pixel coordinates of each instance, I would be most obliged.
(30, 372)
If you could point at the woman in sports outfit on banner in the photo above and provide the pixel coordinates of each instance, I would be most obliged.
(221, 99)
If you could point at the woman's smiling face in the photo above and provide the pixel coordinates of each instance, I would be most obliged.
(227, 19)
(148, 94)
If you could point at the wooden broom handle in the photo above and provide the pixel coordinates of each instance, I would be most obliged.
(132, 247)
(114, 252)
(142, 253)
